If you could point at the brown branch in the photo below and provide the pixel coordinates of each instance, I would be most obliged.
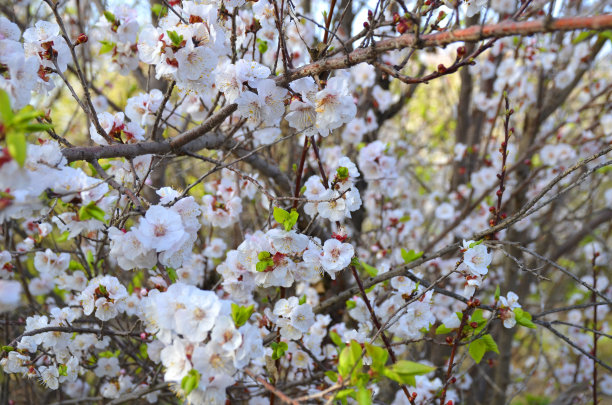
(474, 33)
(271, 388)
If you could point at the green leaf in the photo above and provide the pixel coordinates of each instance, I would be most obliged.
(473, 244)
(478, 316)
(110, 17)
(350, 359)
(480, 346)
(350, 304)
(342, 394)
(332, 375)
(63, 370)
(279, 349)
(293, 217)
(280, 215)
(190, 381)
(336, 339)
(523, 318)
(241, 314)
(411, 255)
(91, 261)
(287, 219)
(302, 300)
(583, 36)
(477, 349)
(159, 10)
(497, 293)
(442, 330)
(606, 34)
(371, 270)
(404, 371)
(490, 343)
(364, 396)
(261, 266)
(106, 47)
(172, 274)
(342, 172)
(8, 348)
(175, 38)
(6, 114)
(379, 357)
(90, 211)
(142, 350)
(26, 114)
(63, 237)
(108, 354)
(262, 46)
(17, 146)
(35, 127)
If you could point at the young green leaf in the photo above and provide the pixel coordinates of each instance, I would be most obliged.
(278, 349)
(17, 146)
(110, 17)
(336, 339)
(262, 46)
(342, 172)
(379, 357)
(172, 274)
(190, 381)
(442, 330)
(404, 371)
(90, 211)
(280, 215)
(480, 346)
(241, 314)
(6, 114)
(411, 255)
(332, 375)
(106, 47)
(371, 270)
(477, 349)
(523, 318)
(364, 396)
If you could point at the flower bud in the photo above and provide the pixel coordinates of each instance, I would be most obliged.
(402, 26)
(81, 39)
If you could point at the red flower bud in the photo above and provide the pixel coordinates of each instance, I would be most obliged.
(81, 39)
(401, 27)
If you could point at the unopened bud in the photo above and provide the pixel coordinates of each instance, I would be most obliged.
(461, 51)
(402, 27)
(366, 25)
(81, 39)
(441, 68)
(474, 324)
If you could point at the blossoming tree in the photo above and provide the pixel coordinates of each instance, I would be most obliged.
(267, 201)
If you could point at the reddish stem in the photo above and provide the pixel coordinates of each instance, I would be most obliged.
(379, 327)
